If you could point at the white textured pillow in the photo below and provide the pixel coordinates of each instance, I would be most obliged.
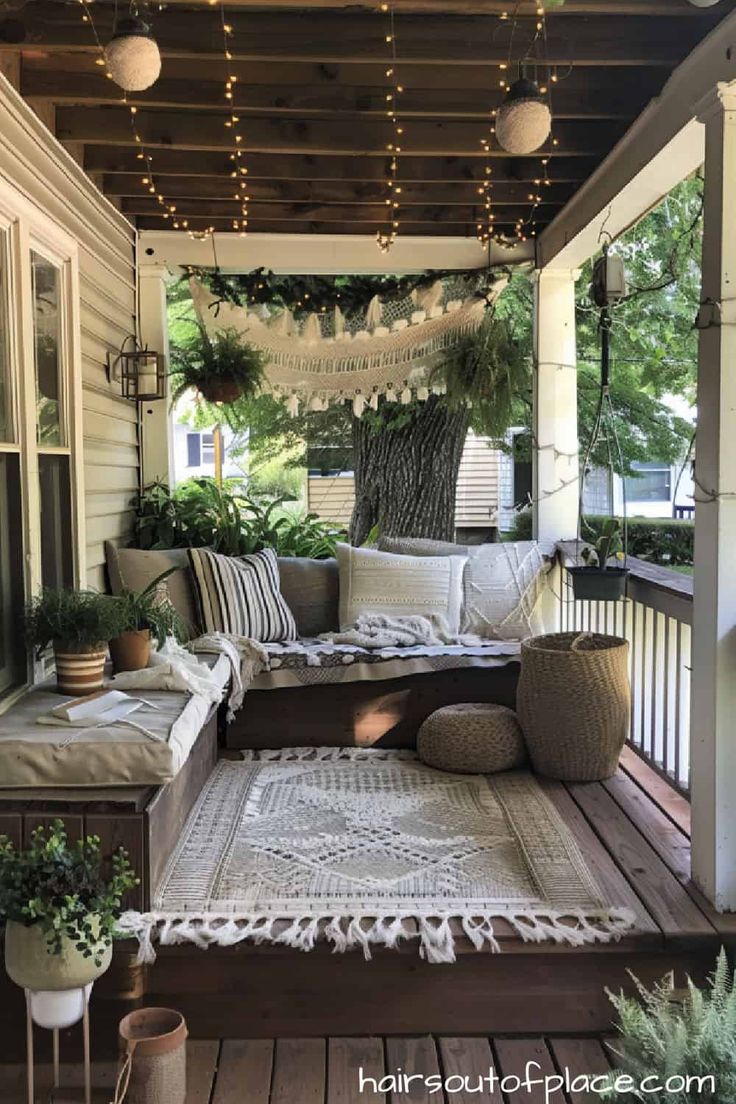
(503, 583)
(380, 582)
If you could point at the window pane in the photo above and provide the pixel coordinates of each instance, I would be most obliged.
(194, 458)
(652, 483)
(47, 333)
(5, 421)
(12, 651)
(57, 564)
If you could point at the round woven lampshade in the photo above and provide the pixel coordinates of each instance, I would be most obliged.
(703, 3)
(524, 121)
(132, 56)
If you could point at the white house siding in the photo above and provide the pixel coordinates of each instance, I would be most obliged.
(332, 496)
(37, 167)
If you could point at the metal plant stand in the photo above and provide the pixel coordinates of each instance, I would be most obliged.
(58, 1099)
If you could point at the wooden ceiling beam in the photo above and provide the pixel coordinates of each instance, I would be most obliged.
(312, 226)
(438, 169)
(621, 101)
(373, 213)
(350, 38)
(669, 8)
(332, 191)
(206, 131)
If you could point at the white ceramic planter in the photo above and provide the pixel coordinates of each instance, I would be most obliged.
(30, 964)
(58, 1008)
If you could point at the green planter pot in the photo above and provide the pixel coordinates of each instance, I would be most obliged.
(598, 584)
(30, 964)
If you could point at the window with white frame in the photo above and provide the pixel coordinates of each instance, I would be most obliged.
(40, 509)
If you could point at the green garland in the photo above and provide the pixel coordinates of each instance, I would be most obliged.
(305, 294)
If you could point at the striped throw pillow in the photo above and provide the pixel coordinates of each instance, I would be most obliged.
(241, 595)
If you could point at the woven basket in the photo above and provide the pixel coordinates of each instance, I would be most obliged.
(574, 704)
(152, 1058)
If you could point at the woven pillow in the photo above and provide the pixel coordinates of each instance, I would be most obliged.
(503, 583)
(378, 582)
(240, 595)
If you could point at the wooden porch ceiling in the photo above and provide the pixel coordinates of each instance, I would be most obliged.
(311, 93)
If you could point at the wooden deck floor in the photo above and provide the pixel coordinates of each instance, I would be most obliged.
(633, 831)
(328, 1071)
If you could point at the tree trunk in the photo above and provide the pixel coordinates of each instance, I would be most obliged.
(406, 475)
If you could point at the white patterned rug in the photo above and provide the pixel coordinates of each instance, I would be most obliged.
(366, 848)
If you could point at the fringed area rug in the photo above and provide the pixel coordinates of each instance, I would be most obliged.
(366, 848)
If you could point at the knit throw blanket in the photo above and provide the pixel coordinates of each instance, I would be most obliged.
(370, 847)
(381, 630)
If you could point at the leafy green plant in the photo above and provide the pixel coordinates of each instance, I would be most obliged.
(201, 361)
(61, 887)
(608, 545)
(228, 519)
(148, 609)
(663, 1038)
(668, 542)
(79, 618)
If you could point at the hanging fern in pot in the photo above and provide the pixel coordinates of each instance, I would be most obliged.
(222, 368)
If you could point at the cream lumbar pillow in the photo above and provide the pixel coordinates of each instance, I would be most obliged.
(380, 582)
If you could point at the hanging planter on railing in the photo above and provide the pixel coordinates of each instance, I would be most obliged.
(599, 579)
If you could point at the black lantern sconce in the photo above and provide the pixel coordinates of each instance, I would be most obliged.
(140, 372)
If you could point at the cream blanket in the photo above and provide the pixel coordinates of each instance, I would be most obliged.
(381, 630)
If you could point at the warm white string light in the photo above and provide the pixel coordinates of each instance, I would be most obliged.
(239, 169)
(385, 238)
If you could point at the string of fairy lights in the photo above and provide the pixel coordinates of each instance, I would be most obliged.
(239, 170)
(535, 56)
(385, 238)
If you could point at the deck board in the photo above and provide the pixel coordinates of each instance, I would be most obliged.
(244, 1072)
(415, 1058)
(665, 899)
(471, 1058)
(202, 1058)
(299, 1071)
(530, 1058)
(345, 1059)
(581, 1057)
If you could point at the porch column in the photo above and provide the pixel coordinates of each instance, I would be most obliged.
(713, 716)
(555, 475)
(155, 422)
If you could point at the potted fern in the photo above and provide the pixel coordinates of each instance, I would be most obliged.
(141, 615)
(684, 1042)
(79, 624)
(601, 577)
(60, 910)
(222, 368)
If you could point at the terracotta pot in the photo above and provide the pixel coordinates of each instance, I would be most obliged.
(131, 650)
(30, 964)
(220, 391)
(79, 670)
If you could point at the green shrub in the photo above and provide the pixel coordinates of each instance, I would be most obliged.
(668, 542)
(228, 519)
(661, 1037)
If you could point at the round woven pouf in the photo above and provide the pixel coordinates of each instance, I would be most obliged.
(472, 739)
(574, 704)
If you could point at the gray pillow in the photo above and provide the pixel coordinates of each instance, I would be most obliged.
(311, 589)
(502, 586)
(135, 568)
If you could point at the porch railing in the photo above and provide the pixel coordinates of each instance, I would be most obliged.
(656, 619)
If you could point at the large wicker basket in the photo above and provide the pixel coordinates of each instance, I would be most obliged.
(574, 704)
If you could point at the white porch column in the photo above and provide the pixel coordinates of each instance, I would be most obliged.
(156, 444)
(555, 482)
(713, 717)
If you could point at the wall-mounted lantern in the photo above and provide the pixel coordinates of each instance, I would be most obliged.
(141, 373)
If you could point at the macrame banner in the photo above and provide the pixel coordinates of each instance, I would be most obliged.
(389, 349)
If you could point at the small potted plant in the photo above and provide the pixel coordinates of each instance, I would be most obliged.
(141, 615)
(60, 911)
(601, 577)
(79, 624)
(222, 368)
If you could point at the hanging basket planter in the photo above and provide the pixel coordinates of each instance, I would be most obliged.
(598, 584)
(220, 391)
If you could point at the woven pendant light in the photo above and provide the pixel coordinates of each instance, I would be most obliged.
(132, 55)
(524, 121)
(703, 3)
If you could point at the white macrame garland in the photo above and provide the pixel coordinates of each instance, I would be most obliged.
(308, 371)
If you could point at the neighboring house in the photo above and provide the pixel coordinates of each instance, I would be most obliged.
(194, 452)
(331, 487)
